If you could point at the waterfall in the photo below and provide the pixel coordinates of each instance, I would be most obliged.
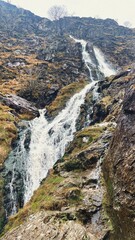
(12, 194)
(42, 143)
(104, 67)
(48, 141)
(85, 56)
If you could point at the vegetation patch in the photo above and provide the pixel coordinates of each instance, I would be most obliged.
(64, 95)
(73, 194)
(8, 131)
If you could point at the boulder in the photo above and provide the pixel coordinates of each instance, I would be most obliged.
(20, 105)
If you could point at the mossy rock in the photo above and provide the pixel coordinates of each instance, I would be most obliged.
(83, 139)
(64, 216)
(72, 165)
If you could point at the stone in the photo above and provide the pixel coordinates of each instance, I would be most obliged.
(20, 105)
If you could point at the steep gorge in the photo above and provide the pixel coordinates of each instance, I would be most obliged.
(69, 204)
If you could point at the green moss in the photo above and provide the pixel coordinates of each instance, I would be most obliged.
(86, 237)
(63, 217)
(44, 196)
(73, 159)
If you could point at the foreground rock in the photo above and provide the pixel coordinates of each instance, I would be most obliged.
(44, 225)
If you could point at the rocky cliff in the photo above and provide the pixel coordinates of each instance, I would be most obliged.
(119, 170)
(89, 193)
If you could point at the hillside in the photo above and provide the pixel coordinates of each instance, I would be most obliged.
(88, 192)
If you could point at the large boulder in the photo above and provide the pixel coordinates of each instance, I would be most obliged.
(20, 105)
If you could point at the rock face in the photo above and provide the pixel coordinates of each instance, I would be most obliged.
(119, 170)
(70, 202)
(15, 26)
(105, 34)
(61, 65)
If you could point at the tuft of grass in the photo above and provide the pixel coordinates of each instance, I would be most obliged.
(8, 131)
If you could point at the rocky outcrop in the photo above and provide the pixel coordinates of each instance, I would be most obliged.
(20, 105)
(105, 34)
(117, 42)
(22, 23)
(62, 98)
(119, 170)
(61, 65)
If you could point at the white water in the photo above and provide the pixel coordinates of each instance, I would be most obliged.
(104, 67)
(85, 56)
(12, 194)
(49, 140)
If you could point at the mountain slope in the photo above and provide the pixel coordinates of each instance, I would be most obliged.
(45, 66)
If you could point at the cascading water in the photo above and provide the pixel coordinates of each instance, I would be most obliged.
(86, 58)
(13, 197)
(104, 67)
(48, 141)
(42, 143)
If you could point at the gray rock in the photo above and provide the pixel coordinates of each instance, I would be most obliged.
(20, 105)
